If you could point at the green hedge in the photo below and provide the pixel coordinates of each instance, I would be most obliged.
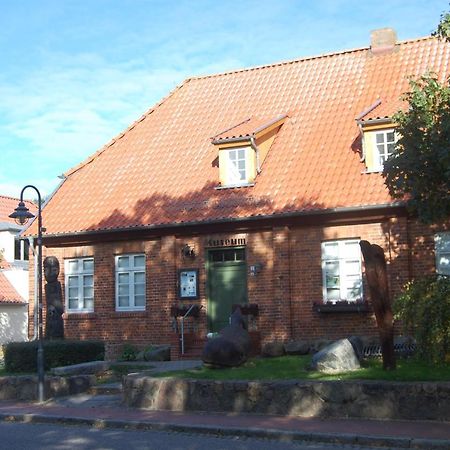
(21, 356)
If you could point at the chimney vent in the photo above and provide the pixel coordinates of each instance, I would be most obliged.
(382, 40)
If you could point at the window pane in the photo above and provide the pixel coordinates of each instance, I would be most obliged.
(240, 254)
(139, 300)
(139, 289)
(443, 242)
(139, 277)
(139, 261)
(331, 251)
(444, 264)
(390, 136)
(124, 289)
(241, 165)
(333, 294)
(332, 267)
(88, 265)
(16, 249)
(124, 278)
(352, 250)
(88, 292)
(73, 281)
(88, 303)
(123, 262)
(26, 250)
(73, 292)
(73, 266)
(73, 303)
(216, 256)
(88, 280)
(241, 154)
(380, 138)
(352, 268)
(229, 255)
(123, 301)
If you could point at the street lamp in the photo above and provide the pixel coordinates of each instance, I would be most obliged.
(21, 215)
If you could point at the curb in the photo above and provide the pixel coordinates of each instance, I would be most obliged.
(274, 434)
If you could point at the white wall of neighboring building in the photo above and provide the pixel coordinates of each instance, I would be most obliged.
(7, 244)
(13, 323)
(19, 279)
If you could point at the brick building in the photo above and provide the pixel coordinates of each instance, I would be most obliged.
(247, 187)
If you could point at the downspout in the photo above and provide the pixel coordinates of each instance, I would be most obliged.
(363, 151)
(35, 296)
(254, 147)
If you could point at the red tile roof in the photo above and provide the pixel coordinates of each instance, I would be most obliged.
(161, 170)
(247, 128)
(9, 204)
(8, 294)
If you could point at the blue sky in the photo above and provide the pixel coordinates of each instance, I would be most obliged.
(75, 73)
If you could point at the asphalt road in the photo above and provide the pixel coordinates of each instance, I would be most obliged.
(21, 436)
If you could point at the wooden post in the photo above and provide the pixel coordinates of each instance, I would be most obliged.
(379, 291)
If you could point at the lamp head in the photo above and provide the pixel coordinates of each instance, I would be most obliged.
(21, 214)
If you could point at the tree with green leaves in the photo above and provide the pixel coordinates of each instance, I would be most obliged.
(419, 169)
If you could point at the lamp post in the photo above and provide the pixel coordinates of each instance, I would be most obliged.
(21, 215)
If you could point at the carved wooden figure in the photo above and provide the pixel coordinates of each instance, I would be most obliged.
(377, 280)
(54, 324)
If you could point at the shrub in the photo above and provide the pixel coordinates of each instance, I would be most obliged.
(21, 356)
(424, 310)
(129, 353)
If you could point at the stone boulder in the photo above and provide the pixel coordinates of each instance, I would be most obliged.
(358, 346)
(297, 347)
(272, 349)
(231, 347)
(337, 357)
(319, 344)
(157, 353)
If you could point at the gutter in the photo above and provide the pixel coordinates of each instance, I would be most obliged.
(321, 212)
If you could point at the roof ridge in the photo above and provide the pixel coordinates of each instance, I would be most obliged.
(9, 197)
(120, 135)
(305, 58)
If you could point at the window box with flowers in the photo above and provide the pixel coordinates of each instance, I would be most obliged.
(343, 306)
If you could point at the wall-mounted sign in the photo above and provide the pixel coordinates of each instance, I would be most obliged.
(188, 283)
(226, 242)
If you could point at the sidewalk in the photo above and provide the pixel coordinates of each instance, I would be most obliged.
(377, 433)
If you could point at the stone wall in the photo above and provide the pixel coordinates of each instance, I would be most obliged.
(363, 399)
(24, 387)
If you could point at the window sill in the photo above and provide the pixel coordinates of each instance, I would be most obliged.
(79, 315)
(232, 186)
(130, 313)
(343, 307)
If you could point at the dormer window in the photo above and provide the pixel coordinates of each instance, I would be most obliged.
(243, 149)
(237, 166)
(384, 146)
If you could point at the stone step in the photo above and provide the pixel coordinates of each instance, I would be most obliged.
(107, 389)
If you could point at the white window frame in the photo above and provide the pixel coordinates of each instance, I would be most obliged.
(383, 155)
(442, 252)
(233, 172)
(81, 276)
(132, 270)
(342, 259)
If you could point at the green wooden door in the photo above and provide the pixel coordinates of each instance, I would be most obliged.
(227, 282)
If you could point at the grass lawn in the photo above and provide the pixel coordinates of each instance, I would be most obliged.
(294, 368)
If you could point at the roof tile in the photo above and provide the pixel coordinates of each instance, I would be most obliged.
(8, 294)
(161, 171)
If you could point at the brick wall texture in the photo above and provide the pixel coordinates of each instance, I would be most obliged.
(285, 289)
